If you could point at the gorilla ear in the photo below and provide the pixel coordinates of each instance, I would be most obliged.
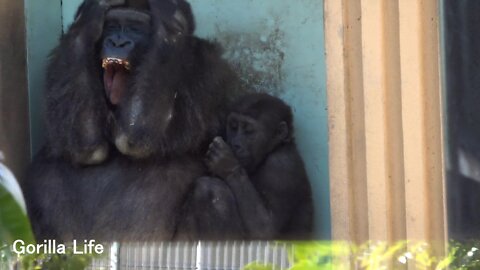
(283, 134)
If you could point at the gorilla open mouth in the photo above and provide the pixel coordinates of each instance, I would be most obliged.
(115, 75)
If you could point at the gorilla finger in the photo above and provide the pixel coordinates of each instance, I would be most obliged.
(210, 164)
(109, 3)
(219, 141)
(209, 153)
(115, 2)
(206, 160)
(87, 7)
(217, 144)
(221, 144)
(212, 153)
(163, 9)
(213, 147)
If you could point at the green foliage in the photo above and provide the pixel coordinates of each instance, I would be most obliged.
(56, 262)
(464, 255)
(14, 225)
(377, 255)
(259, 266)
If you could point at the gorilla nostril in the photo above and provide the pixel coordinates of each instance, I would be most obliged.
(115, 42)
(125, 44)
(110, 43)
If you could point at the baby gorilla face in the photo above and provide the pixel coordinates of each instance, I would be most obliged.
(248, 139)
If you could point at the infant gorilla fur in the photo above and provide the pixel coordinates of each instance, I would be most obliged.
(258, 188)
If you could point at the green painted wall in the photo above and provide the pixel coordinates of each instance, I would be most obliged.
(278, 47)
(44, 27)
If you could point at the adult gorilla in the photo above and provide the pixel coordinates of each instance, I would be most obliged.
(133, 99)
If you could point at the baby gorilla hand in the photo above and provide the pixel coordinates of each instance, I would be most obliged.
(220, 159)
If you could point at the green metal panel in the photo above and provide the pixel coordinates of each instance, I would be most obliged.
(44, 27)
(69, 7)
(278, 47)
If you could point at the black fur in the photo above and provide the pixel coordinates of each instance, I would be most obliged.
(259, 188)
(135, 193)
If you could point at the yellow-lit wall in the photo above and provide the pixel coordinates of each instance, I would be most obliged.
(386, 156)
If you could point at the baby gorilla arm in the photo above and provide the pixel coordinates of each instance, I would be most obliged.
(257, 218)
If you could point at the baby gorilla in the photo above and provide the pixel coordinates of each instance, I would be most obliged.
(260, 189)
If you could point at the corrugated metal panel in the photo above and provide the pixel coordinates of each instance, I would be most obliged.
(230, 255)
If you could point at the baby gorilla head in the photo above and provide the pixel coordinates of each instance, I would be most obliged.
(257, 124)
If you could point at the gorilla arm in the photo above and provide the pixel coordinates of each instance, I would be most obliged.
(265, 199)
(76, 106)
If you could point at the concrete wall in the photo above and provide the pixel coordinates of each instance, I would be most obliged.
(14, 129)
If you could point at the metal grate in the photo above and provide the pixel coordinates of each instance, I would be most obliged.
(232, 255)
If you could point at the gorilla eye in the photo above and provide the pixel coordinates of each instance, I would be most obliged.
(137, 28)
(112, 27)
(133, 29)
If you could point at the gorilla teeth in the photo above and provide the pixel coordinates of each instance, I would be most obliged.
(110, 61)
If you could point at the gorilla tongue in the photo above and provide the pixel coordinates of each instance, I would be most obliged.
(115, 82)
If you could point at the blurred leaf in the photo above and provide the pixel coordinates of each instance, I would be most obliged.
(447, 261)
(306, 265)
(258, 266)
(14, 223)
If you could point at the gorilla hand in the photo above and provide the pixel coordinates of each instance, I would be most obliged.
(162, 12)
(111, 3)
(220, 159)
(90, 18)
